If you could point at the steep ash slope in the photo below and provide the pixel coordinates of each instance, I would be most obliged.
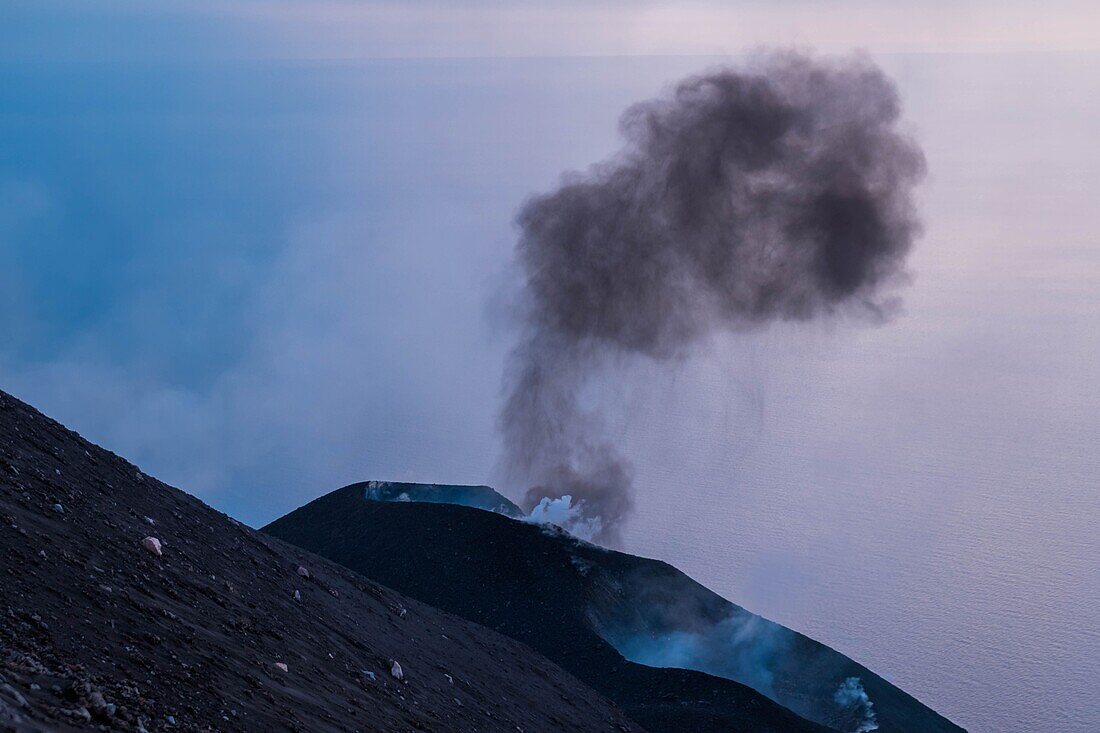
(529, 583)
(98, 631)
(582, 605)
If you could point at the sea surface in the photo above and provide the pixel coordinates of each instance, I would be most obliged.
(263, 280)
(924, 495)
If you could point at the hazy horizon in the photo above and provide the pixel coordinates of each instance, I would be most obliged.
(263, 278)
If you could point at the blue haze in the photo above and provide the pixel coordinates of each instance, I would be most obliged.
(261, 280)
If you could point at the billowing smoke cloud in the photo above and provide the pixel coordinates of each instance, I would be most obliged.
(782, 191)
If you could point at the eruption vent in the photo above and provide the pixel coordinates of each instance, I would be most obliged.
(779, 192)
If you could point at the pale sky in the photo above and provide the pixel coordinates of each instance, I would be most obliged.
(344, 29)
(253, 247)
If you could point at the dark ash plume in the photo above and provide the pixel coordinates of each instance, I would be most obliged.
(779, 192)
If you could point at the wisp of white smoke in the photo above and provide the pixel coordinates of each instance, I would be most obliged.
(851, 696)
(563, 513)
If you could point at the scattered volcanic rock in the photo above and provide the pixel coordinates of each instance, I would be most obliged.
(98, 633)
(584, 607)
(152, 544)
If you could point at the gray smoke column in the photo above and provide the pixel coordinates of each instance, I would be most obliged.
(778, 192)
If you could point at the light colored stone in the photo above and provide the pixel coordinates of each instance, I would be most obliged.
(152, 544)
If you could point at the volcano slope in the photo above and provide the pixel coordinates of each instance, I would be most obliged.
(98, 632)
(587, 608)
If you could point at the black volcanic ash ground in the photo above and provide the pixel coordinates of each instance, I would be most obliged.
(96, 632)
